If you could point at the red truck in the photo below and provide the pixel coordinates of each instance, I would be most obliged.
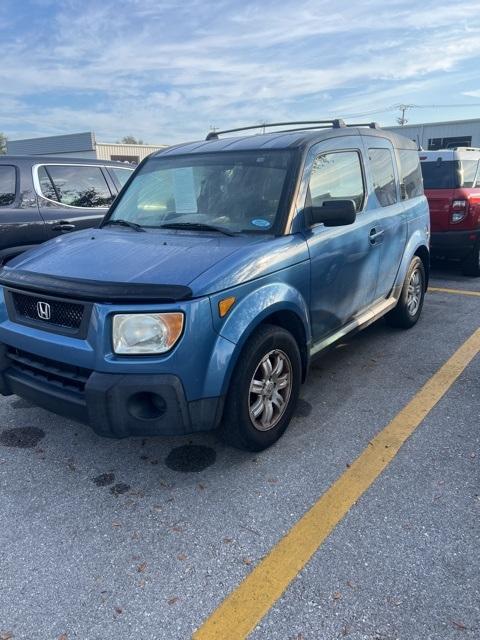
(451, 179)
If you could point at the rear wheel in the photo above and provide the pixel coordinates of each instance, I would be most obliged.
(263, 391)
(471, 264)
(410, 303)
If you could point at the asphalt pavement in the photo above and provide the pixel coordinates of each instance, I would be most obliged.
(144, 538)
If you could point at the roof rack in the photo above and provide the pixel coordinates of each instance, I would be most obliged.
(370, 125)
(319, 124)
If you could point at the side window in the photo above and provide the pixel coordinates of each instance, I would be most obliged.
(46, 186)
(122, 175)
(383, 173)
(8, 181)
(75, 185)
(337, 176)
(468, 171)
(477, 181)
(411, 174)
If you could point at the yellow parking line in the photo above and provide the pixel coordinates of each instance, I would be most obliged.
(462, 292)
(246, 605)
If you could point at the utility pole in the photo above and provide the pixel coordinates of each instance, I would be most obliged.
(402, 121)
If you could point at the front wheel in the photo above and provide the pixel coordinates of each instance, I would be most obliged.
(410, 303)
(263, 391)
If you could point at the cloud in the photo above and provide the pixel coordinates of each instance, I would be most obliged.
(168, 70)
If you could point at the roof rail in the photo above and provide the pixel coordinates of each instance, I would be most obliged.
(370, 125)
(320, 124)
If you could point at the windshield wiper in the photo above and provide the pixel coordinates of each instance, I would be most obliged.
(125, 223)
(197, 226)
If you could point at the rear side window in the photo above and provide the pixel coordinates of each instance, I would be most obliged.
(8, 182)
(468, 171)
(337, 176)
(411, 174)
(383, 174)
(440, 174)
(449, 174)
(122, 175)
(75, 186)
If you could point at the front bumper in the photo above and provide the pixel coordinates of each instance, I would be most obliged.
(454, 244)
(114, 405)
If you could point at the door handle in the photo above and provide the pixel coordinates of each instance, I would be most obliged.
(64, 226)
(374, 235)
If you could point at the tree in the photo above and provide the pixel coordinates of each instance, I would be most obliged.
(131, 140)
(3, 143)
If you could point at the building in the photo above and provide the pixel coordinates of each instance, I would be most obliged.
(442, 135)
(81, 145)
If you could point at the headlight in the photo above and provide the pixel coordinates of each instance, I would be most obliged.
(137, 333)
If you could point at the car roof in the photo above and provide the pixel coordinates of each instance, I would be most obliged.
(461, 153)
(6, 159)
(298, 139)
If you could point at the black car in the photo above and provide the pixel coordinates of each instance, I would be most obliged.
(42, 197)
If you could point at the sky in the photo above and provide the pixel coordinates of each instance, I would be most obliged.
(167, 71)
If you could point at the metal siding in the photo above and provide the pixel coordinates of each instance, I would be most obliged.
(70, 143)
(106, 150)
(423, 132)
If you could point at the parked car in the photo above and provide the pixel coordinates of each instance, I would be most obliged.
(43, 197)
(452, 185)
(222, 269)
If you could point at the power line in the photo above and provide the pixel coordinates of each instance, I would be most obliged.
(403, 108)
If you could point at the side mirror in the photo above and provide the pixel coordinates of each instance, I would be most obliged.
(333, 213)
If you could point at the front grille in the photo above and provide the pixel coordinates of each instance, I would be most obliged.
(58, 312)
(65, 376)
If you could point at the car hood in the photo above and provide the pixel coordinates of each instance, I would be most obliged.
(204, 262)
(123, 255)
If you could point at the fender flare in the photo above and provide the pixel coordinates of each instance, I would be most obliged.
(416, 241)
(247, 315)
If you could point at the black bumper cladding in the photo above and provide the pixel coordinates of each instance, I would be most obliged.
(114, 405)
(454, 244)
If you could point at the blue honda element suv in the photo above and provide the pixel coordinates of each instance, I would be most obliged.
(220, 271)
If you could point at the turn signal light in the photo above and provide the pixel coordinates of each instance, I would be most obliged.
(225, 305)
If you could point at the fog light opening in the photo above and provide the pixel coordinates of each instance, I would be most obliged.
(146, 405)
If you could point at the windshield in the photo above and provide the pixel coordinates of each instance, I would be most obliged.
(448, 174)
(241, 191)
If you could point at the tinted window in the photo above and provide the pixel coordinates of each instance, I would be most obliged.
(448, 174)
(77, 186)
(7, 185)
(337, 176)
(122, 175)
(411, 174)
(236, 191)
(383, 173)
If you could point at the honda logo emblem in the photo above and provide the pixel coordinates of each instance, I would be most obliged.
(43, 310)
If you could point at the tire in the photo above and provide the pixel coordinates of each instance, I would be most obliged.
(409, 306)
(244, 399)
(471, 264)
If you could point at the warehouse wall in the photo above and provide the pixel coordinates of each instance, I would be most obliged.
(134, 152)
(73, 144)
(422, 133)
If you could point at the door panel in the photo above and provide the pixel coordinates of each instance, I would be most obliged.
(344, 260)
(344, 268)
(71, 197)
(391, 225)
(21, 223)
